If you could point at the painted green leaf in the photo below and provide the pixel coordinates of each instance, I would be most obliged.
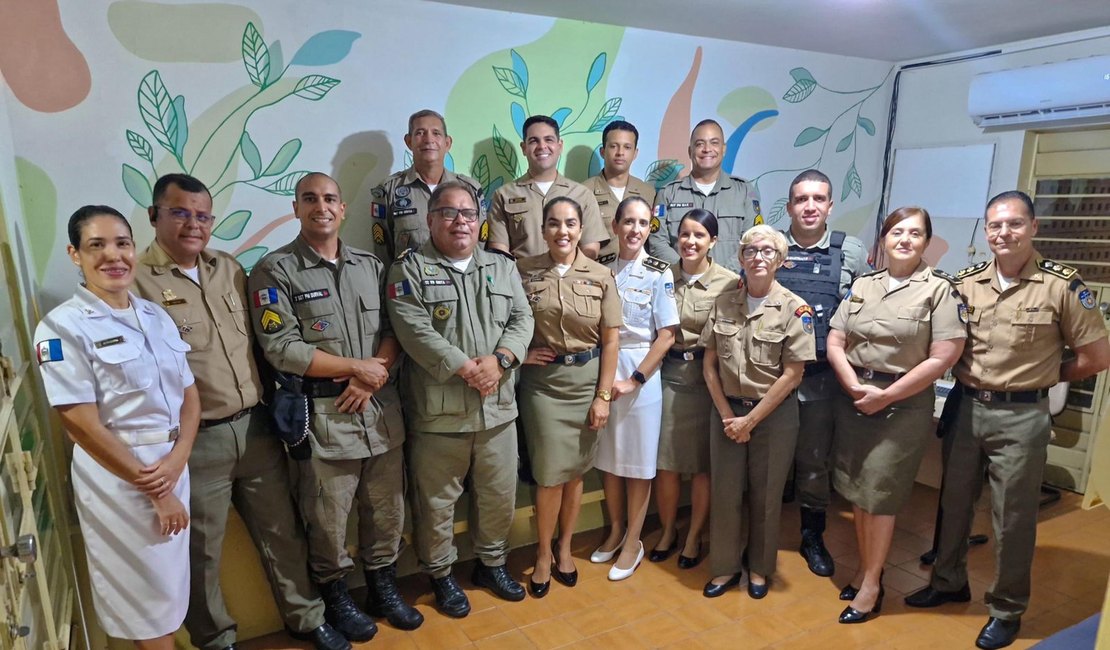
(256, 56)
(480, 170)
(250, 154)
(510, 81)
(800, 90)
(607, 113)
(661, 172)
(801, 74)
(325, 48)
(250, 257)
(506, 154)
(157, 111)
(232, 225)
(852, 183)
(286, 185)
(182, 126)
(283, 158)
(137, 186)
(314, 87)
(809, 134)
(520, 68)
(778, 211)
(866, 125)
(277, 63)
(140, 146)
(846, 141)
(597, 71)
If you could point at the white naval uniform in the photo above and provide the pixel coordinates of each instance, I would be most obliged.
(89, 354)
(629, 443)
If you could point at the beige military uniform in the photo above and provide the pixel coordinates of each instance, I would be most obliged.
(444, 317)
(1016, 339)
(516, 215)
(687, 407)
(607, 203)
(236, 458)
(732, 200)
(886, 330)
(752, 349)
(399, 211)
(570, 311)
(301, 303)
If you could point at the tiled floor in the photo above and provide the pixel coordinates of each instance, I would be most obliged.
(661, 606)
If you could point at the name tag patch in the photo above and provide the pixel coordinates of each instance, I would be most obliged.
(314, 294)
(115, 340)
(169, 299)
(404, 213)
(517, 199)
(436, 283)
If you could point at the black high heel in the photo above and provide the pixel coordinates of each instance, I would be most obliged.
(849, 592)
(851, 615)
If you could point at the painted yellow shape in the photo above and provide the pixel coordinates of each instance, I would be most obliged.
(191, 33)
(742, 103)
(39, 201)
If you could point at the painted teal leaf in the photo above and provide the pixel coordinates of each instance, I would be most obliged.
(661, 172)
(778, 211)
(596, 162)
(852, 183)
(283, 158)
(607, 113)
(286, 185)
(157, 112)
(801, 74)
(250, 154)
(561, 115)
(314, 87)
(516, 111)
(256, 56)
(800, 90)
(250, 257)
(480, 170)
(407, 159)
(277, 63)
(506, 153)
(866, 125)
(140, 146)
(494, 185)
(449, 162)
(846, 141)
(809, 134)
(182, 125)
(510, 81)
(597, 71)
(326, 48)
(232, 225)
(521, 69)
(137, 186)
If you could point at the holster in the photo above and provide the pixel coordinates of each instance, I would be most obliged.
(291, 411)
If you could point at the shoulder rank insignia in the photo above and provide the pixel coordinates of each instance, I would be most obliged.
(271, 322)
(656, 264)
(483, 232)
(378, 233)
(1057, 269)
(870, 273)
(503, 253)
(942, 274)
(972, 270)
(605, 259)
(405, 253)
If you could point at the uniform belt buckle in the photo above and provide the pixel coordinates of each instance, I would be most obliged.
(568, 360)
(747, 403)
(867, 373)
(687, 355)
(173, 434)
(985, 396)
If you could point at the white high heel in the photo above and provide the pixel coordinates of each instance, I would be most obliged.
(616, 574)
(601, 557)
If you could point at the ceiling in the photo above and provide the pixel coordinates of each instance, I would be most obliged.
(889, 30)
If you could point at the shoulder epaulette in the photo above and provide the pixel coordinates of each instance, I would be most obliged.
(971, 270)
(656, 264)
(947, 276)
(875, 272)
(405, 253)
(498, 251)
(1057, 269)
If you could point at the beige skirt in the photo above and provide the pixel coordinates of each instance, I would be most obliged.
(687, 407)
(554, 402)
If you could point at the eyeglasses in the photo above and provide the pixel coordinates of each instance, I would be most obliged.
(768, 254)
(469, 215)
(1016, 225)
(182, 215)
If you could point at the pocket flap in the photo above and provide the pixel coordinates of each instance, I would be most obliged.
(726, 328)
(583, 289)
(118, 353)
(704, 305)
(1032, 318)
(369, 301)
(177, 345)
(637, 297)
(916, 312)
(769, 336)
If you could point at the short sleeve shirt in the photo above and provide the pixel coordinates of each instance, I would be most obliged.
(399, 211)
(732, 200)
(646, 288)
(572, 310)
(695, 300)
(516, 214)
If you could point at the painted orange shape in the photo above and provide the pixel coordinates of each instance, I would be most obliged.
(674, 132)
(40, 63)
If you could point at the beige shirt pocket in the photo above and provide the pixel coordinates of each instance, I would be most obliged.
(587, 299)
(766, 347)
(1031, 327)
(912, 322)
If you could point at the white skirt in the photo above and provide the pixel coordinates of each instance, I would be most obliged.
(629, 443)
(140, 578)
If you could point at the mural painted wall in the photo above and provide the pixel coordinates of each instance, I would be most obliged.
(104, 96)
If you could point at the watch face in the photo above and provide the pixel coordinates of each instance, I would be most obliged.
(504, 361)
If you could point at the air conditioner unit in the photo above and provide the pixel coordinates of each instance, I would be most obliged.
(1075, 91)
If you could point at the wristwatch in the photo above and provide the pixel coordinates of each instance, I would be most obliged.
(605, 395)
(639, 377)
(503, 359)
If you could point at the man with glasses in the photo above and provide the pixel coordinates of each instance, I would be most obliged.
(399, 206)
(318, 305)
(464, 322)
(237, 458)
(733, 201)
(1022, 311)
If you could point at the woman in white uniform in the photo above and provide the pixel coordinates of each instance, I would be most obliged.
(114, 369)
(629, 443)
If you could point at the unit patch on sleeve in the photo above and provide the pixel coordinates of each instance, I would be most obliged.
(377, 210)
(321, 325)
(398, 289)
(314, 294)
(271, 321)
(49, 350)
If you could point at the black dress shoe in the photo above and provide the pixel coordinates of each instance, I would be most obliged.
(659, 556)
(450, 598)
(758, 591)
(929, 597)
(538, 589)
(689, 562)
(997, 633)
(323, 638)
(712, 590)
(565, 578)
(851, 615)
(497, 580)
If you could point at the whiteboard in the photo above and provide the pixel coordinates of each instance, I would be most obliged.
(949, 182)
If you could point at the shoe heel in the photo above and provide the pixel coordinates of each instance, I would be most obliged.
(878, 608)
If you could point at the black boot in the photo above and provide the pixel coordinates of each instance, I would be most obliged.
(813, 547)
(384, 600)
(342, 614)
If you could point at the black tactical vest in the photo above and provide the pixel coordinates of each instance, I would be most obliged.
(814, 274)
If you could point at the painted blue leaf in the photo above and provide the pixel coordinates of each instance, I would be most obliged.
(852, 183)
(277, 63)
(596, 162)
(734, 142)
(801, 74)
(283, 158)
(449, 163)
(809, 134)
(232, 225)
(661, 172)
(250, 257)
(407, 159)
(250, 154)
(846, 141)
(520, 68)
(866, 125)
(517, 113)
(561, 115)
(597, 71)
(182, 126)
(494, 185)
(137, 186)
(314, 87)
(325, 48)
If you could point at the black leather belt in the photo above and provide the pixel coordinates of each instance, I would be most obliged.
(204, 424)
(577, 357)
(815, 367)
(1018, 396)
(325, 388)
(746, 402)
(867, 373)
(686, 355)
